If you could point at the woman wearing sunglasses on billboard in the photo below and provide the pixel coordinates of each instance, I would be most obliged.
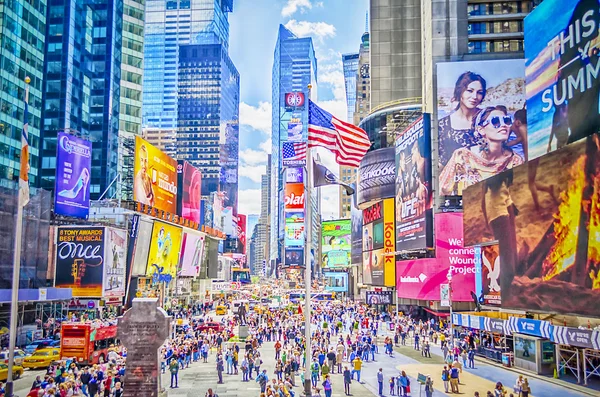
(491, 156)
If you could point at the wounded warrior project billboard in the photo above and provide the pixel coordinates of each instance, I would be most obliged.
(413, 186)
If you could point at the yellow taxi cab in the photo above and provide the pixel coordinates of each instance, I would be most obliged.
(42, 358)
(17, 372)
(221, 310)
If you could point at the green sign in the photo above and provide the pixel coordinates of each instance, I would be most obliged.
(336, 244)
(422, 379)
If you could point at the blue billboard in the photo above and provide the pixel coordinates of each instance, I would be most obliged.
(72, 186)
(336, 281)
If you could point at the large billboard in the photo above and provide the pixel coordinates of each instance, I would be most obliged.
(482, 127)
(73, 165)
(189, 192)
(163, 258)
(561, 73)
(294, 258)
(336, 281)
(80, 260)
(142, 247)
(241, 231)
(294, 197)
(155, 181)
(356, 235)
(421, 278)
(336, 246)
(373, 241)
(487, 275)
(294, 229)
(413, 186)
(544, 216)
(115, 260)
(192, 252)
(377, 176)
(389, 244)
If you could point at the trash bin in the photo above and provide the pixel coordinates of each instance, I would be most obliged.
(506, 359)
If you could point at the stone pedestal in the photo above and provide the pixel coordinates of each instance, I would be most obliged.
(243, 331)
(142, 330)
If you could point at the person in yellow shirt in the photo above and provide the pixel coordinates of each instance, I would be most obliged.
(357, 362)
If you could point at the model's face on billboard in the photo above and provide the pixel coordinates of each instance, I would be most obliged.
(496, 127)
(472, 95)
(143, 156)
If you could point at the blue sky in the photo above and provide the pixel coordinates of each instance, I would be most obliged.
(335, 26)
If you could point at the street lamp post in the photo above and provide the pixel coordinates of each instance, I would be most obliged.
(449, 277)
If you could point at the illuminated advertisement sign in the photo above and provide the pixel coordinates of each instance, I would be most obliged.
(114, 262)
(373, 237)
(294, 99)
(189, 195)
(356, 218)
(377, 176)
(336, 281)
(379, 297)
(163, 258)
(548, 235)
(487, 278)
(389, 244)
(80, 260)
(421, 278)
(155, 181)
(294, 175)
(336, 244)
(482, 127)
(294, 229)
(294, 197)
(295, 131)
(73, 164)
(561, 73)
(192, 251)
(241, 231)
(413, 186)
(294, 258)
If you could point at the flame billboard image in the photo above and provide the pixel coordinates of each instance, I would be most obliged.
(336, 244)
(155, 181)
(547, 225)
(561, 72)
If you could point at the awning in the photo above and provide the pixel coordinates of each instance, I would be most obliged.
(439, 314)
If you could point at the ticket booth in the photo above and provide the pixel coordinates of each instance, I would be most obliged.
(534, 354)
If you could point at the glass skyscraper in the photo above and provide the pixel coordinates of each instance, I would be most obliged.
(294, 68)
(350, 64)
(82, 87)
(169, 24)
(22, 38)
(207, 119)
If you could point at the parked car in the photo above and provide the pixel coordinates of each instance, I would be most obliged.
(19, 356)
(17, 372)
(41, 344)
(42, 358)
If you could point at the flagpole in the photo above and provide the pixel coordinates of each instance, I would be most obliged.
(307, 265)
(14, 301)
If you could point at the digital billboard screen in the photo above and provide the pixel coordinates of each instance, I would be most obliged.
(545, 217)
(73, 165)
(80, 258)
(115, 257)
(336, 281)
(294, 197)
(336, 244)
(294, 258)
(189, 195)
(482, 128)
(356, 235)
(487, 278)
(155, 181)
(373, 240)
(163, 258)
(413, 186)
(192, 251)
(377, 176)
(561, 74)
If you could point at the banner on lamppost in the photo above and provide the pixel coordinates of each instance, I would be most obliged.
(445, 295)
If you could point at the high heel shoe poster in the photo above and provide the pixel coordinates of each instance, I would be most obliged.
(73, 164)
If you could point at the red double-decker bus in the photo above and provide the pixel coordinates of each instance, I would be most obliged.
(87, 344)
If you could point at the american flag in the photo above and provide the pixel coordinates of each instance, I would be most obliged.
(24, 172)
(293, 151)
(348, 142)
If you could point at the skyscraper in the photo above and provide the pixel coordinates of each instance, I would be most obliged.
(294, 68)
(350, 64)
(168, 25)
(22, 54)
(207, 117)
(82, 88)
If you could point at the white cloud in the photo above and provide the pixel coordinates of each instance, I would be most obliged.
(292, 6)
(318, 30)
(257, 117)
(252, 172)
(266, 147)
(253, 157)
(249, 201)
(330, 202)
(338, 108)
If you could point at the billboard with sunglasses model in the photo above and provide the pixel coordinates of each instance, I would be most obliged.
(482, 121)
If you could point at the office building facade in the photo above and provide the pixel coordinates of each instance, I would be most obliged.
(168, 25)
(22, 55)
(350, 65)
(82, 87)
(294, 68)
(208, 117)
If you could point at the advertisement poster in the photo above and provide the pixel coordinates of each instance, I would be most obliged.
(482, 127)
(336, 244)
(80, 260)
(379, 297)
(356, 236)
(73, 165)
(142, 247)
(294, 258)
(294, 197)
(421, 278)
(487, 279)
(155, 181)
(163, 258)
(389, 244)
(295, 131)
(228, 160)
(373, 242)
(336, 281)
(561, 81)
(547, 239)
(241, 231)
(192, 251)
(115, 256)
(189, 192)
(294, 175)
(293, 154)
(377, 176)
(413, 186)
(294, 234)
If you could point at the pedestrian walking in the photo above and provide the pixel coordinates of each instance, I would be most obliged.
(446, 378)
(347, 380)
(380, 381)
(174, 369)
